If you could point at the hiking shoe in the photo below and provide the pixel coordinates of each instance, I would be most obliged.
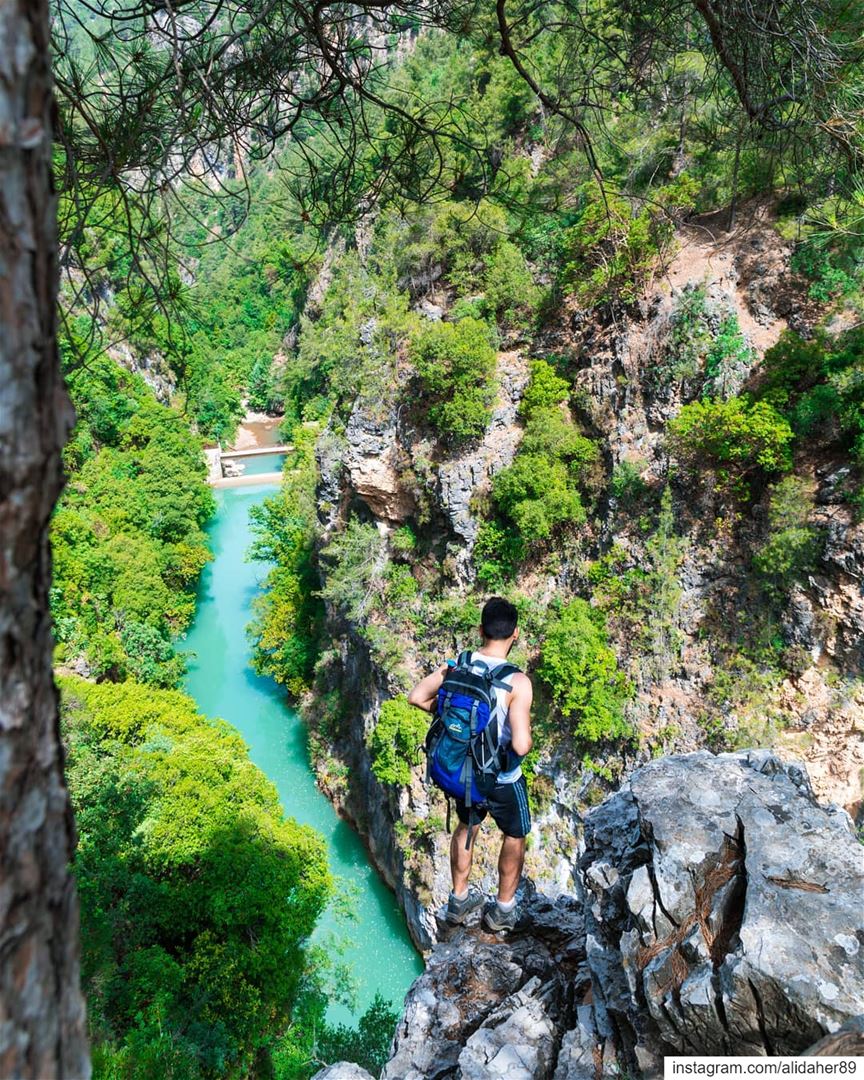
(495, 919)
(459, 910)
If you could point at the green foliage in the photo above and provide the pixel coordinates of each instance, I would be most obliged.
(832, 273)
(355, 561)
(369, 1044)
(197, 896)
(456, 366)
(819, 386)
(729, 354)
(742, 704)
(643, 602)
(498, 550)
(627, 484)
(458, 241)
(456, 616)
(127, 535)
(311, 1043)
(536, 494)
(396, 741)
(689, 338)
(545, 389)
(734, 438)
(582, 675)
(791, 548)
(702, 345)
(541, 489)
(403, 541)
(610, 251)
(509, 291)
(401, 587)
(349, 346)
(288, 615)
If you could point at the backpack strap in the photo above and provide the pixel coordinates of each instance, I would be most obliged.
(464, 658)
(501, 672)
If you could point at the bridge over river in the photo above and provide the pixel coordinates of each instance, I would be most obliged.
(228, 468)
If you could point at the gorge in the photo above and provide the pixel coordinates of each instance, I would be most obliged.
(371, 938)
(590, 338)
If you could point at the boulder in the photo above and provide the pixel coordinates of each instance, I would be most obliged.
(722, 908)
(489, 1007)
(343, 1070)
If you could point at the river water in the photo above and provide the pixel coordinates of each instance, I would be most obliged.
(377, 947)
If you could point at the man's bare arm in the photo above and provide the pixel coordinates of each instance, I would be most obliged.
(520, 714)
(425, 693)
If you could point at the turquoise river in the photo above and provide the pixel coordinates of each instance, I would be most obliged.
(376, 944)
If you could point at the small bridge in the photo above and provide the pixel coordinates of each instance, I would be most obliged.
(258, 451)
(217, 459)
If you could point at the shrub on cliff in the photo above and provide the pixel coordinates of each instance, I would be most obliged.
(791, 548)
(610, 252)
(197, 895)
(456, 366)
(509, 290)
(536, 494)
(545, 388)
(582, 675)
(819, 386)
(396, 741)
(541, 489)
(735, 439)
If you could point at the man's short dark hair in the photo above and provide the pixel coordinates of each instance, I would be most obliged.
(499, 618)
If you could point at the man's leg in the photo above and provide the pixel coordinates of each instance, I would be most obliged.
(510, 863)
(460, 859)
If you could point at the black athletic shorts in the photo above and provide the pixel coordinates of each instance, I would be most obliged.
(508, 805)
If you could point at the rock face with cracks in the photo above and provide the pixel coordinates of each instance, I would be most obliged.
(722, 910)
(488, 1006)
(720, 913)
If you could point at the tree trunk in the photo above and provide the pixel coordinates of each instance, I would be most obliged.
(42, 1021)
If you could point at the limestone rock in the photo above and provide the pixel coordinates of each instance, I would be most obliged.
(722, 909)
(370, 461)
(487, 1007)
(343, 1070)
(462, 476)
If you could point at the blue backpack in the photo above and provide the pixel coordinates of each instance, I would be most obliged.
(463, 751)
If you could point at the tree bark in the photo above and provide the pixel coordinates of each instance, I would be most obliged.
(42, 1018)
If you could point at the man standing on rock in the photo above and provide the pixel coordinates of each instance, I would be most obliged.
(501, 791)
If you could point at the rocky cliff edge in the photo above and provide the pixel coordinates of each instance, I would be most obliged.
(719, 912)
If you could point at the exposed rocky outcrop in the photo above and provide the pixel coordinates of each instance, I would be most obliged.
(462, 477)
(343, 1070)
(723, 909)
(487, 1007)
(152, 367)
(371, 464)
(719, 913)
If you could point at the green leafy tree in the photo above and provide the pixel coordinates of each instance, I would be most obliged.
(735, 439)
(545, 388)
(541, 489)
(582, 675)
(356, 561)
(197, 895)
(508, 287)
(791, 548)
(456, 364)
(128, 536)
(396, 741)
